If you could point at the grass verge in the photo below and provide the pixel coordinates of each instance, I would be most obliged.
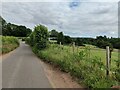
(9, 43)
(88, 69)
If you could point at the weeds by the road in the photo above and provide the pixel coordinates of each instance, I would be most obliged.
(91, 70)
(8, 44)
(85, 64)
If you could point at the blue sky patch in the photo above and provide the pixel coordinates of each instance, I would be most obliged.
(74, 4)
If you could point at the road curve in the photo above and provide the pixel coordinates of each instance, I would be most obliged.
(22, 69)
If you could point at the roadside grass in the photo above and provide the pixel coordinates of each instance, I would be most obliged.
(85, 63)
(9, 43)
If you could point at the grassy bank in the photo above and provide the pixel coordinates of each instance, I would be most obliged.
(85, 63)
(8, 44)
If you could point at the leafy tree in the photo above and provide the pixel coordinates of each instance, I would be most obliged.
(102, 38)
(9, 29)
(2, 24)
(22, 31)
(60, 38)
(115, 42)
(53, 33)
(67, 40)
(103, 44)
(40, 36)
(79, 42)
(31, 40)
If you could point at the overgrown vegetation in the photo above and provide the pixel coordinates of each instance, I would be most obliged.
(8, 44)
(39, 38)
(85, 64)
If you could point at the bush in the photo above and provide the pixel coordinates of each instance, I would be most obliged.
(39, 38)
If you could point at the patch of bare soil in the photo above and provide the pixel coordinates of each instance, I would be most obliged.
(59, 79)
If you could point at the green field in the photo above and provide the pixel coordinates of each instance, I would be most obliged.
(96, 52)
(8, 44)
(93, 52)
(88, 64)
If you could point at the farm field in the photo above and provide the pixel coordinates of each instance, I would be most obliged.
(88, 64)
(8, 44)
(96, 52)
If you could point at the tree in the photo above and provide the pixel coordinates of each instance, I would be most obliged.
(31, 39)
(67, 40)
(40, 37)
(103, 44)
(2, 24)
(53, 33)
(79, 42)
(9, 29)
(115, 42)
(60, 38)
(21, 31)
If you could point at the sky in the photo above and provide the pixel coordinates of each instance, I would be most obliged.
(76, 18)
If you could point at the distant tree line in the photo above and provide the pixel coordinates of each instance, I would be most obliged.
(9, 29)
(60, 37)
(99, 41)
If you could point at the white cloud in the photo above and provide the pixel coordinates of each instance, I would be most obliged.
(85, 19)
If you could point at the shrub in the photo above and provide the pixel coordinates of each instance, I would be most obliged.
(39, 38)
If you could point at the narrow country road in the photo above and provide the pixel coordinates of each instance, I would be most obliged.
(22, 69)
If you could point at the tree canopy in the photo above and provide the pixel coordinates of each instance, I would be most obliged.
(9, 29)
(39, 37)
(53, 33)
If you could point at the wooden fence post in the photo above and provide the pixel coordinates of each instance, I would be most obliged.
(73, 47)
(107, 61)
(60, 44)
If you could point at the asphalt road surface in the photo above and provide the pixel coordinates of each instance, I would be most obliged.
(22, 69)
